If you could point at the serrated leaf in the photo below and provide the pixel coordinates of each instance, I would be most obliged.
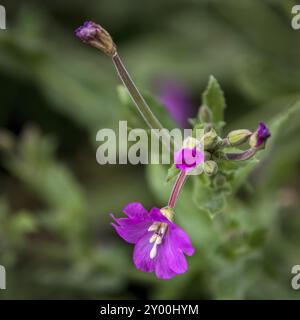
(213, 97)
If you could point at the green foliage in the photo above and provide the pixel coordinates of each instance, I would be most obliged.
(213, 97)
(55, 235)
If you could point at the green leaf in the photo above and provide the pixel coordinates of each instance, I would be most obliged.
(209, 197)
(213, 97)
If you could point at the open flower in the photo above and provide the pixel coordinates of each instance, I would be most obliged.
(160, 244)
(188, 158)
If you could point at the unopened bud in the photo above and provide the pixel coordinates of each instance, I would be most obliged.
(238, 137)
(205, 114)
(210, 167)
(210, 139)
(191, 142)
(253, 140)
(260, 136)
(97, 37)
(207, 155)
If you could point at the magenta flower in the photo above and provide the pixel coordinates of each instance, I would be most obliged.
(263, 133)
(88, 31)
(188, 158)
(160, 244)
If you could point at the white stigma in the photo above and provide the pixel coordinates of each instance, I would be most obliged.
(157, 236)
(153, 251)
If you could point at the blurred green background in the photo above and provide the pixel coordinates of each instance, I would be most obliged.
(56, 93)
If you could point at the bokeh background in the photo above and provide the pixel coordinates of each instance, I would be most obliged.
(56, 93)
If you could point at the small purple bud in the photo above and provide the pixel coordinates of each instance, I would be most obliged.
(96, 36)
(88, 31)
(263, 133)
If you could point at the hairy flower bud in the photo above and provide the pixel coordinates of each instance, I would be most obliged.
(97, 37)
(210, 139)
(260, 136)
(205, 114)
(207, 155)
(191, 142)
(210, 167)
(238, 137)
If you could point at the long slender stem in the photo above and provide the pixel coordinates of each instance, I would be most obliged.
(181, 178)
(140, 103)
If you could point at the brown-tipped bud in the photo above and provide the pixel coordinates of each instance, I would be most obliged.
(238, 137)
(205, 114)
(97, 37)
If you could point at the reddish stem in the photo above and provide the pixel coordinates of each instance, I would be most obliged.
(181, 178)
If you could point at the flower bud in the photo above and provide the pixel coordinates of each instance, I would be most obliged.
(210, 167)
(207, 155)
(205, 114)
(210, 139)
(260, 136)
(238, 137)
(191, 142)
(253, 140)
(97, 37)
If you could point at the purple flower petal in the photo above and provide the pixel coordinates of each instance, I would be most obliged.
(182, 239)
(263, 133)
(156, 215)
(141, 254)
(135, 210)
(88, 31)
(170, 259)
(130, 230)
